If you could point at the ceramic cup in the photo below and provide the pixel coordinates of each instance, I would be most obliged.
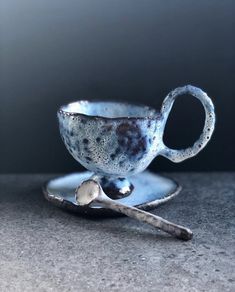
(115, 140)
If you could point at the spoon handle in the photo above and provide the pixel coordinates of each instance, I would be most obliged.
(143, 216)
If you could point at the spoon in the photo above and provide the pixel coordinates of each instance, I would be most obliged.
(90, 191)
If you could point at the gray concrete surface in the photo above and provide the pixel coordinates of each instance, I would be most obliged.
(43, 248)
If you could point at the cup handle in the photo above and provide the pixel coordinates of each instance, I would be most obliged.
(180, 155)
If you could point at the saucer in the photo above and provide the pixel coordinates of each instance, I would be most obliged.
(150, 190)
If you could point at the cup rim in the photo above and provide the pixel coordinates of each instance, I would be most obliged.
(155, 115)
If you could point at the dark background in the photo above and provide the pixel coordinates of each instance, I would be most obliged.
(54, 52)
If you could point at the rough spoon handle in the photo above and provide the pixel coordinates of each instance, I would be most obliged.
(156, 221)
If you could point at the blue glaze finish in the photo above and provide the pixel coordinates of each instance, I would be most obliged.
(115, 147)
(116, 140)
(176, 155)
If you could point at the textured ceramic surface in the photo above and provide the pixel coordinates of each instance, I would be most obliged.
(150, 190)
(121, 139)
(117, 140)
(111, 138)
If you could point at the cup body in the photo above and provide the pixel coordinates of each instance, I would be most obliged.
(111, 139)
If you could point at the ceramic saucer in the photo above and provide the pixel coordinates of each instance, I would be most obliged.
(150, 190)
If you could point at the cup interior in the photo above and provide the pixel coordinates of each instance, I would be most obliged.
(108, 109)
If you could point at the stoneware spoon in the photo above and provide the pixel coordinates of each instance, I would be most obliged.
(90, 191)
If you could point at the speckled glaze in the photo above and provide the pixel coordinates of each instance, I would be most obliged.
(116, 140)
(121, 142)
